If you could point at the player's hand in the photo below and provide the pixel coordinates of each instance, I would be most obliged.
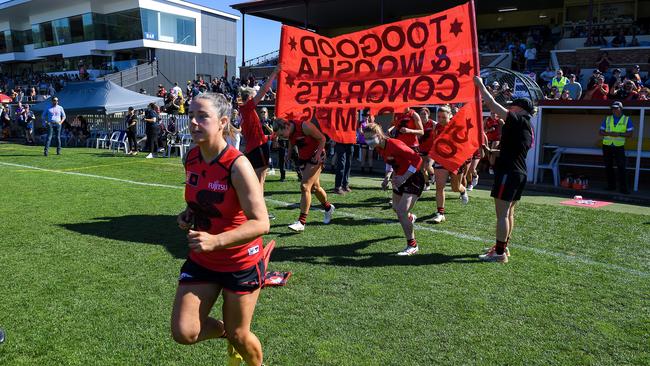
(184, 219)
(403, 130)
(384, 184)
(398, 180)
(200, 241)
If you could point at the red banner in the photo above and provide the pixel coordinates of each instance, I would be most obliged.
(460, 139)
(420, 61)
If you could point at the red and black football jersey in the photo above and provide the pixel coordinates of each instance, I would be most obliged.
(399, 156)
(306, 145)
(210, 194)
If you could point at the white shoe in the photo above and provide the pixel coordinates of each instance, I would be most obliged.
(492, 256)
(412, 217)
(464, 198)
(470, 188)
(328, 215)
(150, 156)
(474, 181)
(494, 248)
(409, 250)
(438, 218)
(491, 171)
(427, 187)
(297, 226)
(272, 172)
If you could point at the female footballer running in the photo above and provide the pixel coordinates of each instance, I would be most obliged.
(444, 116)
(311, 152)
(225, 217)
(408, 180)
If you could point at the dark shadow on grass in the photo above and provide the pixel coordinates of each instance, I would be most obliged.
(349, 255)
(142, 229)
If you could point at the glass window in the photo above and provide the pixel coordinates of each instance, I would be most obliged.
(149, 24)
(76, 28)
(95, 26)
(36, 36)
(61, 28)
(3, 42)
(47, 34)
(177, 29)
(120, 26)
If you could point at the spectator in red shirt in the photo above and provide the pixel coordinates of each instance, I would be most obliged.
(162, 93)
(598, 91)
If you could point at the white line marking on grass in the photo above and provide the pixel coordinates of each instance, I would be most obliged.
(562, 256)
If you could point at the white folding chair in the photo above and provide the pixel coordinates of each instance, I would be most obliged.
(101, 140)
(553, 165)
(119, 141)
(186, 141)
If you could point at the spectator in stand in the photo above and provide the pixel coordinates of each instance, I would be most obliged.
(131, 122)
(547, 75)
(54, 117)
(603, 62)
(635, 76)
(573, 88)
(615, 80)
(559, 81)
(634, 42)
(176, 90)
(615, 129)
(565, 95)
(31, 97)
(619, 40)
(627, 92)
(643, 93)
(553, 94)
(530, 55)
(26, 121)
(599, 91)
(162, 93)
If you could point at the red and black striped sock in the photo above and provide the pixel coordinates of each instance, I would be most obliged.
(327, 206)
(441, 210)
(411, 243)
(501, 247)
(302, 218)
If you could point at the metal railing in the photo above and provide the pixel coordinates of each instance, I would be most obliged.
(133, 75)
(115, 122)
(263, 59)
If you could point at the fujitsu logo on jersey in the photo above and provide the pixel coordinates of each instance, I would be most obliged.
(218, 186)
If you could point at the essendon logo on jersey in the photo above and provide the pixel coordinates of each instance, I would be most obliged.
(192, 179)
(218, 186)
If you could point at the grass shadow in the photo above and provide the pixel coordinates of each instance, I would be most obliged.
(350, 255)
(142, 229)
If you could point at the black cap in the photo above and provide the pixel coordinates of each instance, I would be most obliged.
(524, 103)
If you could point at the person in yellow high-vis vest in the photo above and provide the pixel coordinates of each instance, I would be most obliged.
(559, 81)
(615, 129)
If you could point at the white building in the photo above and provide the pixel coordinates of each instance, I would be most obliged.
(188, 40)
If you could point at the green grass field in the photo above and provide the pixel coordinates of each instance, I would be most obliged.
(91, 252)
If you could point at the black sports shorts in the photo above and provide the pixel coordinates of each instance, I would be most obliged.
(259, 156)
(239, 282)
(508, 186)
(413, 185)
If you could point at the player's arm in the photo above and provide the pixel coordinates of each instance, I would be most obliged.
(489, 99)
(251, 198)
(267, 85)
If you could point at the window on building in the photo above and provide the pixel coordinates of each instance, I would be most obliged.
(61, 28)
(47, 34)
(76, 28)
(121, 26)
(3, 42)
(149, 24)
(177, 29)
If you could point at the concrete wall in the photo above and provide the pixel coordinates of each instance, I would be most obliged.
(179, 67)
(219, 35)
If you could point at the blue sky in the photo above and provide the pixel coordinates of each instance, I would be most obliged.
(262, 36)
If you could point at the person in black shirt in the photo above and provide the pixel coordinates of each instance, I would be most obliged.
(151, 118)
(510, 166)
(131, 122)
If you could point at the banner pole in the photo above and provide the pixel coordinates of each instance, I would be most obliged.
(477, 67)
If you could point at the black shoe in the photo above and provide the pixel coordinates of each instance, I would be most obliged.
(44, 153)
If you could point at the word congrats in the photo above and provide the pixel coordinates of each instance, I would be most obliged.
(420, 61)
